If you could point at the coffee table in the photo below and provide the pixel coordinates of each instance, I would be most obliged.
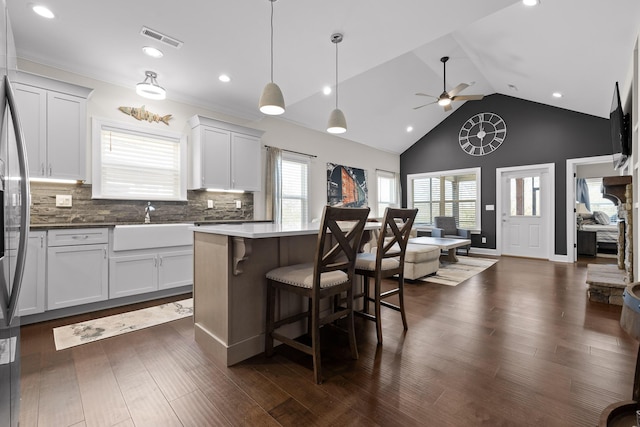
(443, 243)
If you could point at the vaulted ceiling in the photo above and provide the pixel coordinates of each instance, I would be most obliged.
(390, 51)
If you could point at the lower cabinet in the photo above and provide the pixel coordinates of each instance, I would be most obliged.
(77, 267)
(136, 272)
(32, 292)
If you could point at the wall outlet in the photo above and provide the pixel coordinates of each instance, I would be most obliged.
(238, 204)
(209, 204)
(484, 240)
(63, 200)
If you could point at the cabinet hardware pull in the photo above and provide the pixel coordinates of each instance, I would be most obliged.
(50, 170)
(83, 237)
(42, 169)
(105, 253)
(42, 241)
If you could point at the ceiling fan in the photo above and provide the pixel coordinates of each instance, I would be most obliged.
(445, 97)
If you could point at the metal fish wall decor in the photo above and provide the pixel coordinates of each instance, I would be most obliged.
(142, 114)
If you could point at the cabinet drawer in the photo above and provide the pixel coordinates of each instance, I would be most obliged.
(83, 236)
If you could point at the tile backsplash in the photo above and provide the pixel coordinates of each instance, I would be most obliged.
(87, 210)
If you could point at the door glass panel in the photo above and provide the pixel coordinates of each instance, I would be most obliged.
(525, 196)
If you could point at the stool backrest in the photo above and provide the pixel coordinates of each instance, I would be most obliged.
(394, 234)
(338, 240)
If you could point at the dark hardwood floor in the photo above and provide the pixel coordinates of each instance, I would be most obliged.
(517, 345)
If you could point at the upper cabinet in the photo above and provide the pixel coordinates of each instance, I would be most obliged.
(54, 121)
(224, 156)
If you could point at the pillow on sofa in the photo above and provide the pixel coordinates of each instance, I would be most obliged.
(601, 217)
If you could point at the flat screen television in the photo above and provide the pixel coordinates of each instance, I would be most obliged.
(619, 123)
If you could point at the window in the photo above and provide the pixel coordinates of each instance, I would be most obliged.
(525, 196)
(136, 163)
(596, 201)
(387, 191)
(448, 193)
(295, 189)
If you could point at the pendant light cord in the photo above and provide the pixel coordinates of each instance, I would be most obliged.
(336, 75)
(271, 1)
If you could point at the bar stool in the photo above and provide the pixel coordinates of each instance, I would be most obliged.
(328, 276)
(387, 261)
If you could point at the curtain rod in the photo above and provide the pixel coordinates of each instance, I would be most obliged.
(384, 170)
(294, 152)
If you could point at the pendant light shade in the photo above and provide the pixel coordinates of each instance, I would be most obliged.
(272, 100)
(149, 88)
(337, 122)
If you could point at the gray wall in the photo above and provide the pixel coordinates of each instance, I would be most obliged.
(536, 133)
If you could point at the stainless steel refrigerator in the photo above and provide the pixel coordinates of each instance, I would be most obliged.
(14, 216)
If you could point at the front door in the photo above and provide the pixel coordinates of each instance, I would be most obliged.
(524, 213)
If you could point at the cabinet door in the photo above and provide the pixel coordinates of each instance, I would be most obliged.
(245, 162)
(32, 106)
(133, 274)
(175, 269)
(66, 136)
(216, 150)
(76, 275)
(31, 299)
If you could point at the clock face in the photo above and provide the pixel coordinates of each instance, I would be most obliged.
(482, 134)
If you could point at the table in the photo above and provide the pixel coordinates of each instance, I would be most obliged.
(229, 289)
(443, 243)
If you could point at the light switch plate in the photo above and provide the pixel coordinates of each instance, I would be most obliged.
(238, 204)
(490, 207)
(63, 200)
(209, 204)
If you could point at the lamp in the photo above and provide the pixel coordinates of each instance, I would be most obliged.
(581, 209)
(337, 121)
(271, 101)
(150, 88)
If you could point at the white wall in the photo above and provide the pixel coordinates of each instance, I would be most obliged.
(106, 98)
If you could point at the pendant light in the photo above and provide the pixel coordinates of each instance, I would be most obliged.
(272, 101)
(337, 122)
(149, 88)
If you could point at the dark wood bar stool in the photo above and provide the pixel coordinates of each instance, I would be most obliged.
(328, 276)
(387, 261)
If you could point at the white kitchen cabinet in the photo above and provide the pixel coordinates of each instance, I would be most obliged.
(137, 272)
(32, 292)
(224, 156)
(77, 267)
(54, 121)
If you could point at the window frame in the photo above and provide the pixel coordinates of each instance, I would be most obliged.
(440, 174)
(99, 124)
(396, 197)
(301, 159)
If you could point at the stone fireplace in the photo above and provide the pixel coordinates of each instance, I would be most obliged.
(607, 282)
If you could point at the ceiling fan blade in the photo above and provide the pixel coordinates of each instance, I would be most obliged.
(415, 108)
(447, 107)
(456, 90)
(467, 98)
(426, 94)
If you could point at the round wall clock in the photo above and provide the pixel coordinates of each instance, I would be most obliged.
(482, 134)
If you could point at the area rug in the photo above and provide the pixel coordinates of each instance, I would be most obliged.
(452, 274)
(110, 326)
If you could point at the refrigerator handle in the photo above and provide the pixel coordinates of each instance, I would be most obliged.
(25, 203)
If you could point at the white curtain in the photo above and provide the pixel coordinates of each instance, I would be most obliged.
(273, 190)
(396, 177)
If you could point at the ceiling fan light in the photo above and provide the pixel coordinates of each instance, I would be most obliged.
(149, 88)
(337, 122)
(443, 102)
(272, 101)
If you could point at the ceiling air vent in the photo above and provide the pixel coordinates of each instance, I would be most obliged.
(153, 34)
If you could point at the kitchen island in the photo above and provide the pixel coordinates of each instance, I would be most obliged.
(230, 263)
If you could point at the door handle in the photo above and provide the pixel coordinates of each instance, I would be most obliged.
(24, 206)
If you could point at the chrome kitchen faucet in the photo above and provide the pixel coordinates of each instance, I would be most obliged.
(147, 213)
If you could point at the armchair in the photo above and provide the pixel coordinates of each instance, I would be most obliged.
(445, 226)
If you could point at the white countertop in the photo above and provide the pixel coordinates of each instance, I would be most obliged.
(266, 229)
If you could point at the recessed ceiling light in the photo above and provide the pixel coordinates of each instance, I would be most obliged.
(152, 52)
(557, 94)
(43, 11)
(224, 78)
(530, 2)
(409, 128)
(326, 90)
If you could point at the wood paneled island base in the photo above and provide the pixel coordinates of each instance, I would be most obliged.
(230, 286)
